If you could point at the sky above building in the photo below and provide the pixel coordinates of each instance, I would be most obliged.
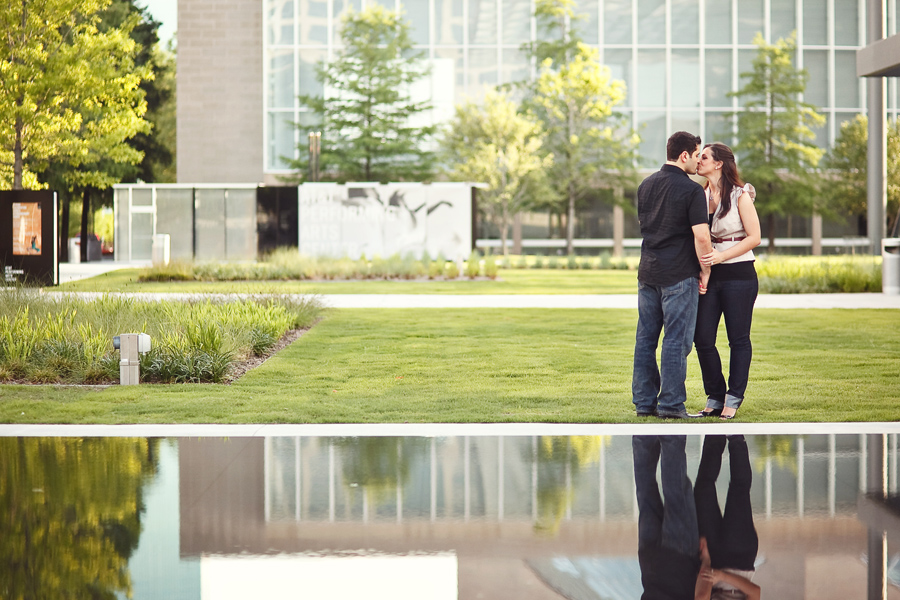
(166, 12)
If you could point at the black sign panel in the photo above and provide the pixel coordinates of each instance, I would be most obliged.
(28, 237)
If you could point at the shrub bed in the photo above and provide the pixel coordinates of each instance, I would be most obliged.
(66, 339)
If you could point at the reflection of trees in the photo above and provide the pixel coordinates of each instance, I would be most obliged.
(560, 461)
(780, 449)
(378, 464)
(70, 515)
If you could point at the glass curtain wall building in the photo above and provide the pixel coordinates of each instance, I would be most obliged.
(679, 58)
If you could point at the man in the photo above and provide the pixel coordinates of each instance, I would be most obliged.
(668, 537)
(672, 210)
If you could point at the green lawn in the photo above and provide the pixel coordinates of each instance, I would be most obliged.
(510, 281)
(493, 365)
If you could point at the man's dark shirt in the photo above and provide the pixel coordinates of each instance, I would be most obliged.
(669, 204)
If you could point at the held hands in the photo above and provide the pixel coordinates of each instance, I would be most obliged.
(704, 279)
(713, 258)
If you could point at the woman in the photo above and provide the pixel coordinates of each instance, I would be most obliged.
(728, 540)
(733, 286)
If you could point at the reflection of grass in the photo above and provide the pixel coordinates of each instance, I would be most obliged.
(499, 365)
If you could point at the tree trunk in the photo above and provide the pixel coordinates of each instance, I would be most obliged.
(18, 163)
(570, 222)
(85, 209)
(771, 223)
(64, 229)
(504, 225)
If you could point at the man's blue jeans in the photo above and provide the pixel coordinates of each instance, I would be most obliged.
(674, 308)
(671, 525)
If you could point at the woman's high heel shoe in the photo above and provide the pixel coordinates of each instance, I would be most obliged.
(713, 408)
(727, 413)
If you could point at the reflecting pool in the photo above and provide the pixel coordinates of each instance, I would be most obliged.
(517, 517)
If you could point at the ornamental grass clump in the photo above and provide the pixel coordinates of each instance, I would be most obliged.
(65, 339)
(818, 275)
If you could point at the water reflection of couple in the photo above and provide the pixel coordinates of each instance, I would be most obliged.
(670, 532)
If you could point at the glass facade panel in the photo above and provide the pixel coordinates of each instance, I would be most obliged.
(718, 128)
(281, 79)
(515, 66)
(652, 129)
(718, 78)
(718, 22)
(142, 198)
(482, 21)
(784, 18)
(821, 133)
(307, 78)
(482, 72)
(651, 78)
(280, 30)
(240, 224)
(281, 136)
(816, 63)
(416, 12)
(686, 121)
(619, 63)
(455, 57)
(617, 21)
(815, 22)
(516, 26)
(750, 20)
(174, 209)
(846, 23)
(209, 220)
(685, 21)
(339, 8)
(651, 25)
(745, 65)
(141, 236)
(685, 78)
(313, 20)
(448, 22)
(589, 26)
(846, 83)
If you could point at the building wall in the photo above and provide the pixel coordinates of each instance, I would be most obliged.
(220, 93)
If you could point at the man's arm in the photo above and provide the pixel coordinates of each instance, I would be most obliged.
(702, 245)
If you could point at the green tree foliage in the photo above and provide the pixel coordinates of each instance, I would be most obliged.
(68, 90)
(70, 515)
(591, 144)
(494, 144)
(776, 148)
(367, 117)
(847, 170)
(574, 97)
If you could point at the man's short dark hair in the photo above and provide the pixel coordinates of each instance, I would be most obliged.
(681, 141)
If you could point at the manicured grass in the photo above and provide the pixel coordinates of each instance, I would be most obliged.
(496, 365)
(510, 281)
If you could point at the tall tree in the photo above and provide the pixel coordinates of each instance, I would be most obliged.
(591, 143)
(575, 97)
(493, 143)
(776, 143)
(846, 172)
(367, 116)
(67, 90)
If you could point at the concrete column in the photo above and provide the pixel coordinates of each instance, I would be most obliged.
(876, 197)
(618, 228)
(817, 235)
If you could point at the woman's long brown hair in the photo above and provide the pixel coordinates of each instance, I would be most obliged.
(731, 178)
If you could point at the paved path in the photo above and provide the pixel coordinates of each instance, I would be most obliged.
(70, 272)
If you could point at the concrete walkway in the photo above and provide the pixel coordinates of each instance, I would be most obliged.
(71, 272)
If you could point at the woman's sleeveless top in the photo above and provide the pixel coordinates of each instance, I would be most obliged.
(730, 226)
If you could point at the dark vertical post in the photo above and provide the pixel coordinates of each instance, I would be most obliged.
(876, 486)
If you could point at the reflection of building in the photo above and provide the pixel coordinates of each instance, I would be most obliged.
(481, 497)
(237, 87)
